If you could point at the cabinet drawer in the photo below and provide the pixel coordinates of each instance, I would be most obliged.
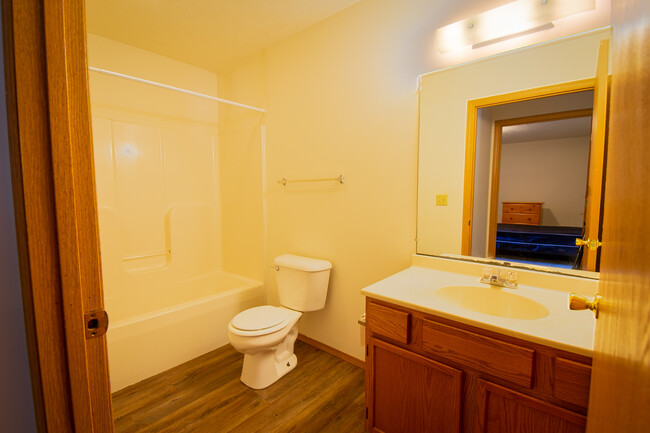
(521, 218)
(522, 207)
(571, 381)
(497, 358)
(388, 322)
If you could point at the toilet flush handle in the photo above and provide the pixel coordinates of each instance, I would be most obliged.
(276, 267)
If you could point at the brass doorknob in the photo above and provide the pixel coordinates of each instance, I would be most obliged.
(579, 302)
(592, 244)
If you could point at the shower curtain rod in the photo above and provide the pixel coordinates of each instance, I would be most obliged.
(177, 89)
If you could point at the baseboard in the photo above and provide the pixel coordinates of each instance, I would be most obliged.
(332, 351)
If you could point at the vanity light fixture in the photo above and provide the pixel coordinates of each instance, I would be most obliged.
(508, 21)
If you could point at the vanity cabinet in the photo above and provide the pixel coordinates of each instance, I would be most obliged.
(426, 373)
(413, 393)
(502, 410)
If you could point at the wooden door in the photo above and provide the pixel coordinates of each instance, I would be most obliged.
(620, 381)
(501, 410)
(597, 149)
(52, 172)
(410, 393)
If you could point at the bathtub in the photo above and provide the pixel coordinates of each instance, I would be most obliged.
(193, 323)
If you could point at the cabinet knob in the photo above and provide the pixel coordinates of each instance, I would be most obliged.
(579, 302)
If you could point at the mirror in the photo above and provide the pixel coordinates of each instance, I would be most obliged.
(452, 122)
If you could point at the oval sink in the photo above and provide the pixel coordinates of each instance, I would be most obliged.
(493, 301)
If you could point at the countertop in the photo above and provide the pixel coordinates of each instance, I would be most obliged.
(562, 328)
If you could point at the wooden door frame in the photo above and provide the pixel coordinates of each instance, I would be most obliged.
(56, 213)
(496, 163)
(597, 159)
(470, 140)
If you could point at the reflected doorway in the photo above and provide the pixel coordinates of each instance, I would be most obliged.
(545, 191)
(540, 168)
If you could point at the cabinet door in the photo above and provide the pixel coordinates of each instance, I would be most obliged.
(501, 410)
(410, 393)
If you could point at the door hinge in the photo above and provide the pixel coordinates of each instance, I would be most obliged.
(366, 350)
(96, 323)
(366, 413)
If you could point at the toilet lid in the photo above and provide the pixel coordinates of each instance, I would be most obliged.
(258, 318)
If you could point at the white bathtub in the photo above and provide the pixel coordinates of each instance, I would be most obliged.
(191, 325)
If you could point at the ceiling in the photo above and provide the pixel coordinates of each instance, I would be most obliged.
(565, 128)
(213, 34)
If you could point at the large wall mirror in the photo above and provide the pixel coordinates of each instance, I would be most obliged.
(509, 141)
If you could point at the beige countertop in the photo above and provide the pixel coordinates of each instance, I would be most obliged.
(416, 286)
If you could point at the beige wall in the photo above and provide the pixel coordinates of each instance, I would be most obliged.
(241, 167)
(136, 98)
(341, 98)
(553, 172)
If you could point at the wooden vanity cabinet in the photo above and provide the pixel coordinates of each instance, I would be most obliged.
(502, 410)
(412, 393)
(425, 373)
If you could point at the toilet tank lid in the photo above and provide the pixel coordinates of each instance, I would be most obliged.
(300, 263)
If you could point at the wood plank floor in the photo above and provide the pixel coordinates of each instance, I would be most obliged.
(322, 394)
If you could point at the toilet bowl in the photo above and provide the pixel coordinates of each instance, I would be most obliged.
(266, 334)
(268, 350)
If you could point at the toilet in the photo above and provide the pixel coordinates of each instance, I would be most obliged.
(266, 334)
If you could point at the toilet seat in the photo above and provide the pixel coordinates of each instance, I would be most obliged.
(262, 320)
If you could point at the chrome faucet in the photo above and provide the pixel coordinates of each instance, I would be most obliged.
(494, 278)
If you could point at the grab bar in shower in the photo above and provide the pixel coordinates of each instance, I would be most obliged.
(285, 181)
(144, 256)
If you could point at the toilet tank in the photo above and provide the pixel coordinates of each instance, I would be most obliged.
(302, 282)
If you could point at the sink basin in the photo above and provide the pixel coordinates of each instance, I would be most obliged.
(492, 300)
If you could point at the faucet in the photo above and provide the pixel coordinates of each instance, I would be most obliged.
(494, 278)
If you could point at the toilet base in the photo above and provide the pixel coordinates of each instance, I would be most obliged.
(264, 368)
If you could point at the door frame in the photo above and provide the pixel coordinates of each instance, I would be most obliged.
(496, 163)
(50, 141)
(471, 134)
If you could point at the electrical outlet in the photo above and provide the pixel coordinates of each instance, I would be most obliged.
(441, 199)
